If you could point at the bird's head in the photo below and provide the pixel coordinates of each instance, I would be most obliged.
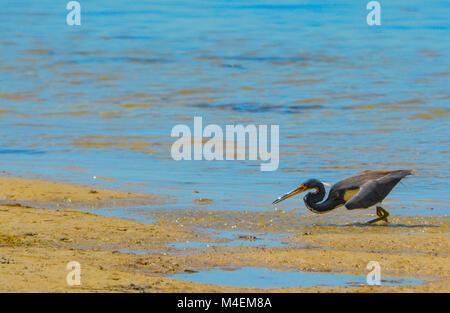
(307, 185)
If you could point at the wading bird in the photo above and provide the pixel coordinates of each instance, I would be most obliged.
(359, 191)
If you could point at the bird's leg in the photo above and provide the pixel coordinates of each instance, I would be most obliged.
(383, 215)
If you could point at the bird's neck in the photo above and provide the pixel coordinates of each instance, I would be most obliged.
(313, 199)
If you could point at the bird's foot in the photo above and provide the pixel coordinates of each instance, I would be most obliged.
(383, 215)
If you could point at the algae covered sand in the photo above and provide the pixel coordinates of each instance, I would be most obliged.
(52, 194)
(121, 255)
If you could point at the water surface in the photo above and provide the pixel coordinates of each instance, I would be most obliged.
(101, 99)
(265, 278)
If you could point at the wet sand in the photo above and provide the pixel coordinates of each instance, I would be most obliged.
(37, 243)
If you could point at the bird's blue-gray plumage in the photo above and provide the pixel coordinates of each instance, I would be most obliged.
(374, 191)
(359, 191)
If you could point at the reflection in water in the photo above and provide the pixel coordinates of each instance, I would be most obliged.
(390, 225)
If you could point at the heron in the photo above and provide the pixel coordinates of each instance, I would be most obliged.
(360, 191)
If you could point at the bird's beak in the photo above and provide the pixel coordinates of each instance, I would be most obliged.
(292, 193)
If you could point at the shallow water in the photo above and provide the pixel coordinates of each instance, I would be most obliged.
(101, 99)
(265, 278)
(236, 239)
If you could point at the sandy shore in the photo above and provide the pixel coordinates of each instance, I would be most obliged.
(37, 243)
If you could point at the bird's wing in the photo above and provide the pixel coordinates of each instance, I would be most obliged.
(374, 191)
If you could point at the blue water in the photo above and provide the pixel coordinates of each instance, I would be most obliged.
(265, 278)
(101, 99)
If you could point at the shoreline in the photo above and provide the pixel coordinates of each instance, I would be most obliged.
(36, 245)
